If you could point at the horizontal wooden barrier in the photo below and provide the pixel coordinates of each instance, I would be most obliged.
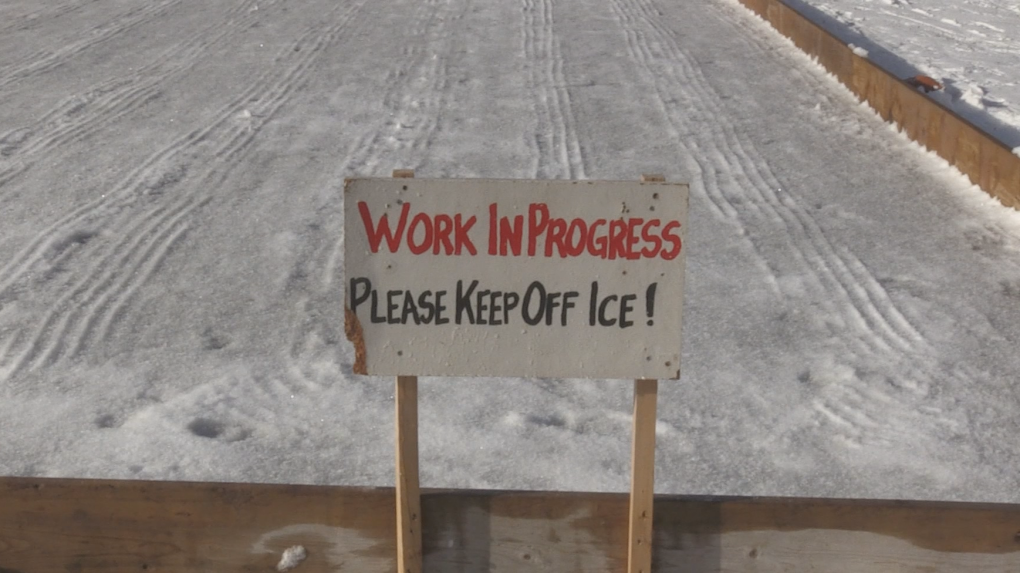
(49, 525)
(986, 161)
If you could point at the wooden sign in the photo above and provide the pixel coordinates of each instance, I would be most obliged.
(485, 277)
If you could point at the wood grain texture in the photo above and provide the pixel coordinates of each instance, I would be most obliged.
(967, 150)
(773, 13)
(407, 487)
(642, 477)
(782, 20)
(759, 7)
(804, 34)
(1000, 174)
(51, 525)
(835, 57)
(873, 85)
(934, 119)
(82, 525)
(903, 105)
(909, 111)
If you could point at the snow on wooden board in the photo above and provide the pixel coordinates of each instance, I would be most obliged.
(461, 277)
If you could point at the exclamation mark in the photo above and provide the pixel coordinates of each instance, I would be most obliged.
(650, 302)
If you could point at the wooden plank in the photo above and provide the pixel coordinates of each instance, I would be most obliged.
(804, 34)
(905, 535)
(858, 79)
(836, 57)
(872, 85)
(525, 532)
(759, 7)
(910, 111)
(1000, 173)
(642, 478)
(904, 102)
(59, 525)
(782, 20)
(132, 526)
(880, 91)
(936, 119)
(773, 13)
(408, 521)
(1011, 177)
(968, 152)
(949, 130)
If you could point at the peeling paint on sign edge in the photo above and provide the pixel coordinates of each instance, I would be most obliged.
(352, 328)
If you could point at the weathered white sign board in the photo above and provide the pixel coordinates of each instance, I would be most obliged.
(548, 279)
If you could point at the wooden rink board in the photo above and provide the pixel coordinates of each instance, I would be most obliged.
(112, 526)
(982, 158)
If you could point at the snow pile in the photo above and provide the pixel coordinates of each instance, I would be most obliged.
(291, 558)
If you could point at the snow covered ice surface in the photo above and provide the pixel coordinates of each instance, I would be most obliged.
(171, 249)
(970, 46)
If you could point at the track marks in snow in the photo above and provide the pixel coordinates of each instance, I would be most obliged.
(44, 61)
(87, 302)
(41, 15)
(78, 117)
(413, 98)
(147, 214)
(862, 407)
(870, 410)
(859, 316)
(949, 28)
(743, 189)
(558, 152)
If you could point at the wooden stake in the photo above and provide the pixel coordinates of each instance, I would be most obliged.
(408, 492)
(642, 466)
(642, 477)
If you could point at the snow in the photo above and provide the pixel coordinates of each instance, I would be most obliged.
(171, 242)
(970, 47)
(291, 558)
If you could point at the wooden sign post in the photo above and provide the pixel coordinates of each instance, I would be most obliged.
(642, 477)
(455, 277)
(408, 493)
